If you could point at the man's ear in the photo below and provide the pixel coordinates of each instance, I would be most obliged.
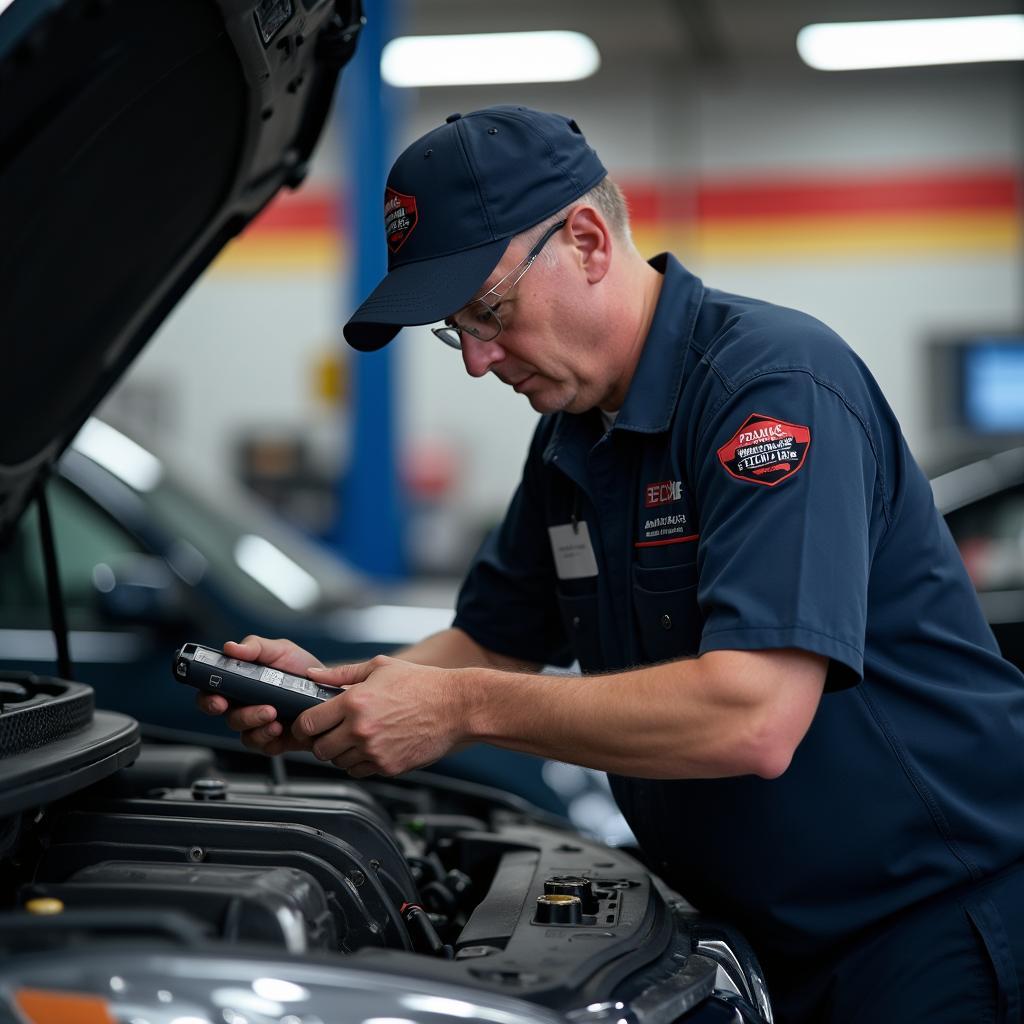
(591, 241)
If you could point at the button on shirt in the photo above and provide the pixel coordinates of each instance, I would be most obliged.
(755, 492)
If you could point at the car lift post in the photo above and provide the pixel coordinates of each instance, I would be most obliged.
(369, 527)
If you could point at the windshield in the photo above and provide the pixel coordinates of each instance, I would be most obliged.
(251, 552)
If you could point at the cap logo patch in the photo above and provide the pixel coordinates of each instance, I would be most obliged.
(400, 217)
(765, 450)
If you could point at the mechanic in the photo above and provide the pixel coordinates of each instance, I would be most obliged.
(786, 672)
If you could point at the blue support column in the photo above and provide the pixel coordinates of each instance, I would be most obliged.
(370, 528)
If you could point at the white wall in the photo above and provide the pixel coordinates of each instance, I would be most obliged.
(238, 354)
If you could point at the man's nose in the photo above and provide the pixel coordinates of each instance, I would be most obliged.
(479, 356)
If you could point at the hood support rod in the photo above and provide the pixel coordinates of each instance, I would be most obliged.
(54, 597)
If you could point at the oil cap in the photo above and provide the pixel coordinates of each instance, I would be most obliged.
(573, 885)
(559, 909)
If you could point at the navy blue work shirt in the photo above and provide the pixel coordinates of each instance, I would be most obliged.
(756, 492)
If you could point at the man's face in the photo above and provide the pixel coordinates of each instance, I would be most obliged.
(541, 352)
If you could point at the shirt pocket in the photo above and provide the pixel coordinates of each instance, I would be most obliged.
(666, 613)
(580, 616)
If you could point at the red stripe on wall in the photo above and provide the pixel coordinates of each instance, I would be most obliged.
(664, 202)
(661, 201)
(951, 191)
(298, 211)
(909, 194)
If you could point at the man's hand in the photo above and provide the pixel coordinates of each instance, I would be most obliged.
(257, 723)
(394, 716)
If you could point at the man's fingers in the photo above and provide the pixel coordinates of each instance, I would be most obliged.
(334, 744)
(280, 653)
(251, 717)
(262, 737)
(346, 675)
(210, 704)
(346, 759)
(318, 719)
(271, 740)
(353, 762)
(251, 648)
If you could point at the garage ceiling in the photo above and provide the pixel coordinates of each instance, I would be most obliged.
(711, 32)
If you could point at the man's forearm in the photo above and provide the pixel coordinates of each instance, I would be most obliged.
(454, 648)
(727, 713)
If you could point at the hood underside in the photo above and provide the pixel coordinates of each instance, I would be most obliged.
(135, 140)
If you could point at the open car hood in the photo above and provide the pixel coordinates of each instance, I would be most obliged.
(136, 139)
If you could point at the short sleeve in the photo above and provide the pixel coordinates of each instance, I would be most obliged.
(785, 476)
(508, 602)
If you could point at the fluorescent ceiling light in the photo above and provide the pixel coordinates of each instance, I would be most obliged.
(273, 569)
(119, 455)
(489, 59)
(848, 46)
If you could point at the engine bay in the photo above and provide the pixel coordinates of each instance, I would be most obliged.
(117, 850)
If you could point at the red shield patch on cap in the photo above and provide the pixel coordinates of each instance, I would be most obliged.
(400, 218)
(765, 450)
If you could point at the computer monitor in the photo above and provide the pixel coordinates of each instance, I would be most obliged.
(992, 384)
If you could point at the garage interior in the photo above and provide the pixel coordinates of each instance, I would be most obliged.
(249, 473)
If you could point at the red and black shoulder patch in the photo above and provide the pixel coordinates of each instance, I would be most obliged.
(400, 217)
(765, 450)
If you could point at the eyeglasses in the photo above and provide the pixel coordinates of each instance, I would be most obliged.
(480, 318)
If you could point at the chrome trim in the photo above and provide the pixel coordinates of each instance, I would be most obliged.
(720, 951)
(661, 1003)
(724, 983)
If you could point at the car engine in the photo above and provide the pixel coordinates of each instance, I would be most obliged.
(159, 880)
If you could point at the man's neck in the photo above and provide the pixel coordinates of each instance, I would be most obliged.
(644, 282)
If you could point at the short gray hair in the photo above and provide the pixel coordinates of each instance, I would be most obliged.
(609, 201)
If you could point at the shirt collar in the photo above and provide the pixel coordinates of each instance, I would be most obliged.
(658, 378)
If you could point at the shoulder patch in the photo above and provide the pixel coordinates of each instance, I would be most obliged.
(765, 450)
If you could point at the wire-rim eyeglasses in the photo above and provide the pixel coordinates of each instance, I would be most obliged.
(480, 318)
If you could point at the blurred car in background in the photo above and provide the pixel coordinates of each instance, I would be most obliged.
(983, 504)
(148, 561)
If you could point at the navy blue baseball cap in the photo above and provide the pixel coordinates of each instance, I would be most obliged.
(453, 202)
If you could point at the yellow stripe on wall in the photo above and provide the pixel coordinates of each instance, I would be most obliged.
(282, 251)
(906, 237)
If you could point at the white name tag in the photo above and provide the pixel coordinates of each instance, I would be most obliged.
(574, 554)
